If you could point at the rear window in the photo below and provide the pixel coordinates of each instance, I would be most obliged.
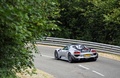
(79, 46)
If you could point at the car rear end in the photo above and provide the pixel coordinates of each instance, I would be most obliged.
(85, 53)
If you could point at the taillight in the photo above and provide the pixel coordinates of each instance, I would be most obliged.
(94, 51)
(77, 53)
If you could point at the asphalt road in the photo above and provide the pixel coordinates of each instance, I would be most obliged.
(102, 68)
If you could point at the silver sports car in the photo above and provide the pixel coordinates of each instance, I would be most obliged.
(76, 52)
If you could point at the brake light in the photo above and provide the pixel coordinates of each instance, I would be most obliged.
(77, 53)
(94, 51)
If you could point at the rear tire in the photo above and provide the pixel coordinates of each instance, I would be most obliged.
(95, 59)
(56, 55)
(70, 59)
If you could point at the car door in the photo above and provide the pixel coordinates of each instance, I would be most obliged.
(64, 51)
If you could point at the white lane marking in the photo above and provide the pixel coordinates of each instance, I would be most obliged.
(84, 67)
(97, 73)
(92, 70)
(47, 56)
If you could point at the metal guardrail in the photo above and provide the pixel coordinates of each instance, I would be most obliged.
(98, 46)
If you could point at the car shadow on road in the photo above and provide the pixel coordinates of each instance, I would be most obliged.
(84, 61)
(80, 61)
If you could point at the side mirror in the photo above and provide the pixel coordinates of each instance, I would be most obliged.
(59, 49)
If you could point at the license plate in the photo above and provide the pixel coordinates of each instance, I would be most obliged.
(84, 50)
(87, 55)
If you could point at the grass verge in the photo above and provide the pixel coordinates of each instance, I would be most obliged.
(40, 74)
(110, 56)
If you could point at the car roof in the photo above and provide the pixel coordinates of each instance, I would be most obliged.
(74, 44)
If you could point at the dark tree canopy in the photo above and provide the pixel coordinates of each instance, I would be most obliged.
(92, 20)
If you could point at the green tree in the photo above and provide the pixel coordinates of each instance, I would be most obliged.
(21, 23)
(104, 21)
(112, 19)
(73, 22)
(92, 20)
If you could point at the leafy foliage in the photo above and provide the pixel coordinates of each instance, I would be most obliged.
(92, 20)
(21, 23)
